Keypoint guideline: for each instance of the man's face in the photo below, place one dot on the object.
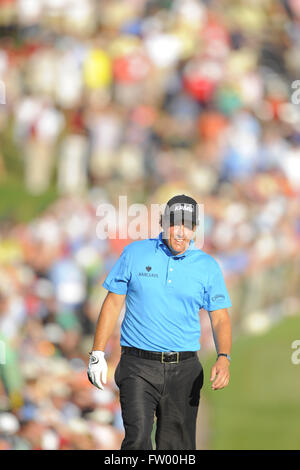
(179, 237)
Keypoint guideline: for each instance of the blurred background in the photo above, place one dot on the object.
(147, 99)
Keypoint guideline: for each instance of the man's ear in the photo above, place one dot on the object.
(194, 230)
(163, 224)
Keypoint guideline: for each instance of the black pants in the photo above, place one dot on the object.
(169, 390)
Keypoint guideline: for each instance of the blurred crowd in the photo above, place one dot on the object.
(147, 99)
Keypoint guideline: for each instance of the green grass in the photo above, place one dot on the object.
(18, 205)
(260, 408)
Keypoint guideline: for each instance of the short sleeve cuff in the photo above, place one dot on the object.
(213, 307)
(114, 289)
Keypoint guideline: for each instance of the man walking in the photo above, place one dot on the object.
(165, 281)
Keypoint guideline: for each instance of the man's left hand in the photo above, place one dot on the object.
(220, 373)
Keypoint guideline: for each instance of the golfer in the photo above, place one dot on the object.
(165, 282)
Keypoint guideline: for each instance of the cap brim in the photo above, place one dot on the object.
(180, 218)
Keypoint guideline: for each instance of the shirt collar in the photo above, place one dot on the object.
(160, 243)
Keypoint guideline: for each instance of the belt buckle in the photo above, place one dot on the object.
(170, 362)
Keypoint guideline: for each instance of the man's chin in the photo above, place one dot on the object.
(178, 247)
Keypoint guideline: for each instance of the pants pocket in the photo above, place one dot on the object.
(116, 375)
(201, 374)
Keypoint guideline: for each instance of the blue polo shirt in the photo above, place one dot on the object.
(164, 293)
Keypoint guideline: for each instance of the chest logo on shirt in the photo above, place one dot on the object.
(148, 274)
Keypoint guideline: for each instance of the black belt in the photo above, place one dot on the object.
(171, 357)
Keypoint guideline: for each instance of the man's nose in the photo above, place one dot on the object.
(180, 230)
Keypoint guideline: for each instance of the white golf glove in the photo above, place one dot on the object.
(97, 369)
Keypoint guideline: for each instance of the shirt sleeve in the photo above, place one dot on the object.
(119, 276)
(216, 295)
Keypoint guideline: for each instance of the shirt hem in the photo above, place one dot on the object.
(160, 350)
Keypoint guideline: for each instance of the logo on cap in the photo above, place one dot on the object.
(184, 207)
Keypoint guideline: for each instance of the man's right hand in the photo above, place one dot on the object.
(97, 369)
